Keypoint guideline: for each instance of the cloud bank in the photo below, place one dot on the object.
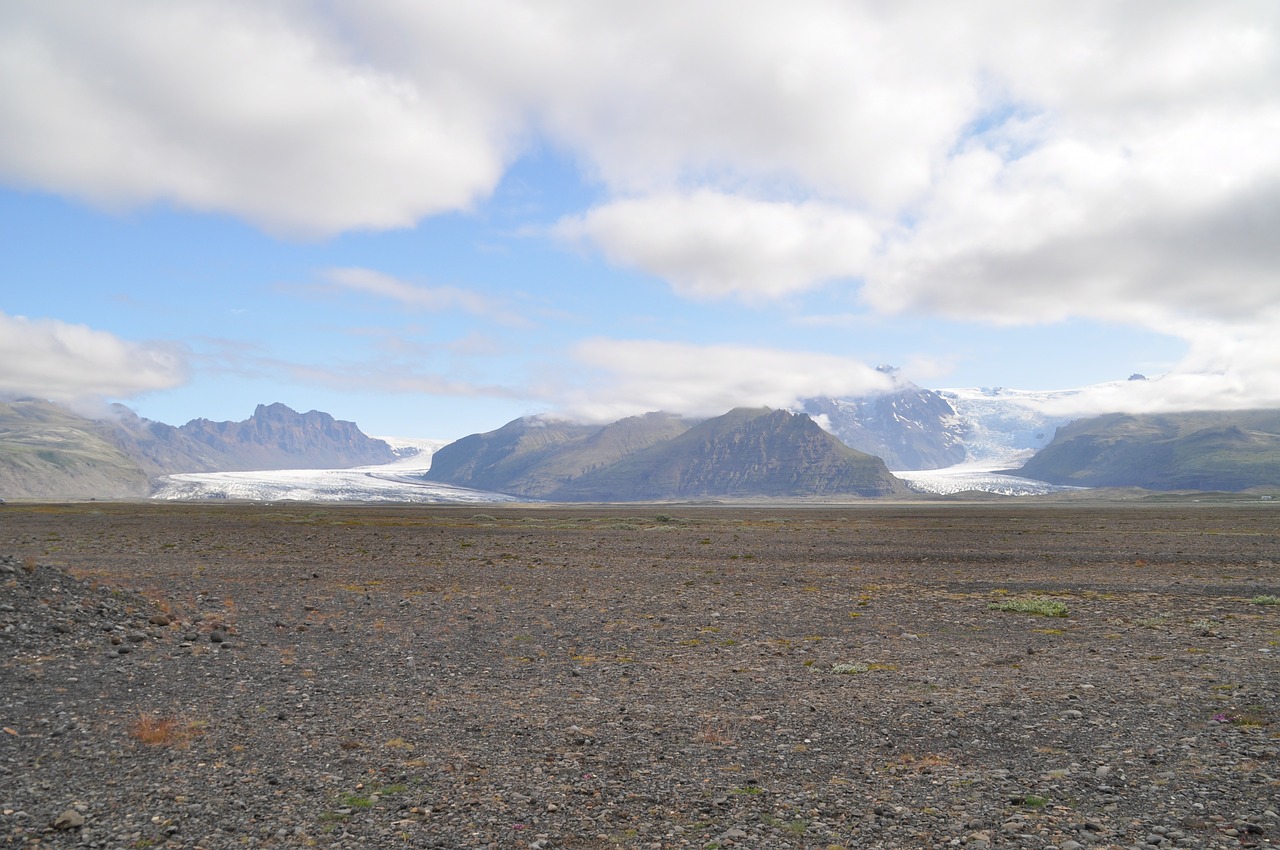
(986, 162)
(78, 365)
(637, 376)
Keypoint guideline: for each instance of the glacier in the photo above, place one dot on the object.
(1005, 427)
(398, 481)
(979, 476)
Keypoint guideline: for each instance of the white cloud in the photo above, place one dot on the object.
(636, 376)
(1228, 366)
(985, 161)
(709, 244)
(431, 298)
(48, 359)
(251, 108)
(1091, 230)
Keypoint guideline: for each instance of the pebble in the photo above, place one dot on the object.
(69, 819)
(495, 745)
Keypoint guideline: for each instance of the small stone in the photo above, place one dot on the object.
(217, 637)
(1071, 714)
(159, 620)
(70, 819)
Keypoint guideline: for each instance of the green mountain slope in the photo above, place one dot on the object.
(535, 457)
(1205, 450)
(660, 456)
(47, 452)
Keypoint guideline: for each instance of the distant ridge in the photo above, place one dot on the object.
(1206, 450)
(744, 453)
(48, 452)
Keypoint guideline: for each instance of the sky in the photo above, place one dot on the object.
(434, 217)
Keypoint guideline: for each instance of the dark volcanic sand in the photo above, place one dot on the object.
(638, 677)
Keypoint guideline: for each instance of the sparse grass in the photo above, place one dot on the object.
(1265, 599)
(158, 731)
(1039, 606)
(854, 668)
(1204, 628)
(850, 668)
(714, 733)
(356, 801)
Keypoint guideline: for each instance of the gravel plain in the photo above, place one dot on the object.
(668, 676)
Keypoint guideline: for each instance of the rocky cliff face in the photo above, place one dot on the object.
(277, 437)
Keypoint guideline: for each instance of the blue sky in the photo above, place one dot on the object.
(434, 219)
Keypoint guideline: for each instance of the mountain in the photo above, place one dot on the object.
(49, 452)
(535, 456)
(1204, 450)
(760, 452)
(912, 428)
(277, 437)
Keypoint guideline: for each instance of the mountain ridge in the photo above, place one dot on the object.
(745, 452)
(1195, 450)
(49, 452)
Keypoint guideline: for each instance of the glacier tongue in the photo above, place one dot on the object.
(976, 476)
(399, 481)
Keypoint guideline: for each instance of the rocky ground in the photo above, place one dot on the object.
(547, 677)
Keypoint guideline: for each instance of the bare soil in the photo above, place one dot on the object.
(645, 676)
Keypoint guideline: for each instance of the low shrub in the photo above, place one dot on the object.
(1039, 606)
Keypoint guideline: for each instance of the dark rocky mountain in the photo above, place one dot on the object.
(277, 437)
(48, 452)
(536, 456)
(1229, 451)
(912, 428)
(761, 452)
